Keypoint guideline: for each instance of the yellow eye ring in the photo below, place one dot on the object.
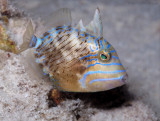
(104, 55)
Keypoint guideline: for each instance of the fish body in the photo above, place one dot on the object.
(77, 61)
(77, 58)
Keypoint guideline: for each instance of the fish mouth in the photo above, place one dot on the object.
(124, 78)
(107, 83)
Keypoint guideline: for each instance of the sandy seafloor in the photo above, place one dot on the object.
(132, 27)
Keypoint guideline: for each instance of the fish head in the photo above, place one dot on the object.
(104, 70)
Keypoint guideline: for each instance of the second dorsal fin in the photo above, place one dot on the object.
(80, 26)
(95, 26)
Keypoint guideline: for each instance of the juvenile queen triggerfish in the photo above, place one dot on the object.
(77, 59)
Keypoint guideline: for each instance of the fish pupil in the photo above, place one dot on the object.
(104, 57)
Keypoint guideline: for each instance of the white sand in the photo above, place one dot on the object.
(23, 97)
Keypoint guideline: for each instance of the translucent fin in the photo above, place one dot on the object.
(80, 26)
(58, 18)
(27, 37)
(95, 26)
(33, 69)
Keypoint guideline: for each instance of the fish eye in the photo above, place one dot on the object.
(104, 55)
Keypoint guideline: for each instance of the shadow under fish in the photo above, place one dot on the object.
(110, 99)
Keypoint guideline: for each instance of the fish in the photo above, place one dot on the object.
(76, 58)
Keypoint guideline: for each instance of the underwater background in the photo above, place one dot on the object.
(132, 27)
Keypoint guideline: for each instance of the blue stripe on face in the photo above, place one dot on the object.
(98, 72)
(88, 56)
(92, 59)
(105, 41)
(115, 57)
(102, 80)
(108, 46)
(112, 51)
(104, 64)
(96, 43)
(91, 49)
(101, 44)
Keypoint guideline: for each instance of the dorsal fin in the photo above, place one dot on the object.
(95, 26)
(58, 18)
(80, 26)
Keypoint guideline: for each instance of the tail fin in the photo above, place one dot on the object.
(27, 37)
